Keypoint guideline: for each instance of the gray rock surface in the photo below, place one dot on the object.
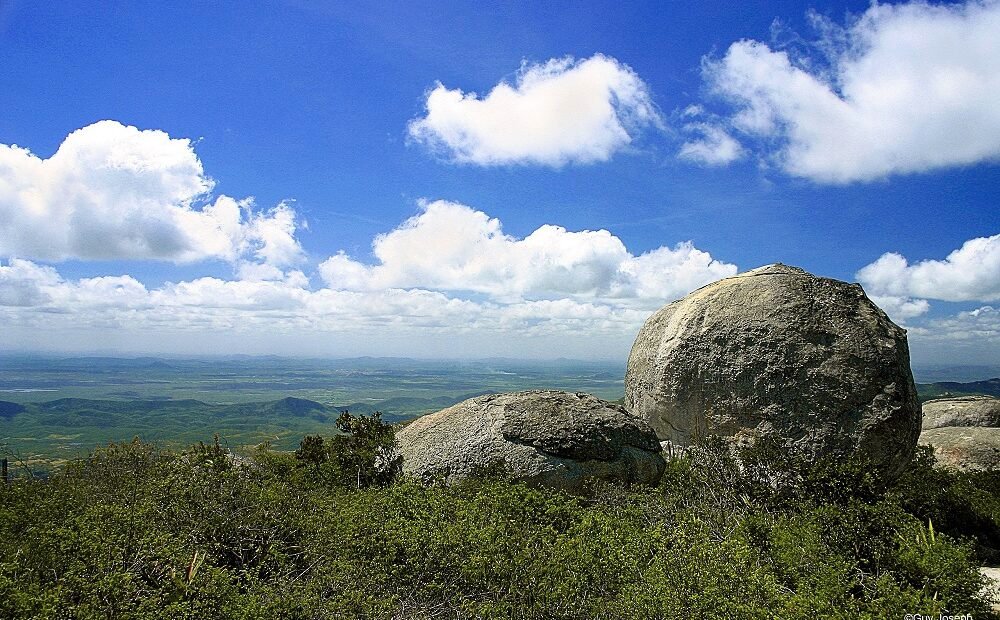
(778, 352)
(545, 437)
(964, 448)
(964, 432)
(983, 411)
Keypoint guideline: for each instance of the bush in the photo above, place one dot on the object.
(362, 455)
(139, 532)
(965, 505)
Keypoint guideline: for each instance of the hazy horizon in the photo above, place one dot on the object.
(961, 371)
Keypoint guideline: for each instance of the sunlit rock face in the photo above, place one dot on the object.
(550, 438)
(964, 432)
(778, 353)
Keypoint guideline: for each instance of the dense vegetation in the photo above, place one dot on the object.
(333, 531)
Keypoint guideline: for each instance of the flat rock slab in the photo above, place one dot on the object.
(778, 353)
(550, 438)
(983, 411)
(964, 448)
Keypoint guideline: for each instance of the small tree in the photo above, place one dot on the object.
(311, 450)
(363, 455)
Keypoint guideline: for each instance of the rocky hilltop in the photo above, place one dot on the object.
(775, 353)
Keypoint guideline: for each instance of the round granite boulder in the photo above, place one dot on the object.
(964, 432)
(550, 438)
(777, 352)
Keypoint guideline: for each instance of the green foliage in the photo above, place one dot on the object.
(963, 505)
(362, 455)
(136, 531)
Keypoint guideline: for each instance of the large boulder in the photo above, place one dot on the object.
(964, 432)
(777, 352)
(545, 437)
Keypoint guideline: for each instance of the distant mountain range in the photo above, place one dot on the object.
(51, 431)
(928, 391)
(71, 412)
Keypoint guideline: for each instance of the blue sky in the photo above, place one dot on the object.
(467, 179)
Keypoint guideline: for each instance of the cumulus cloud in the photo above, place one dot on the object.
(38, 292)
(38, 297)
(970, 273)
(902, 88)
(117, 192)
(960, 338)
(900, 309)
(713, 147)
(981, 324)
(558, 112)
(24, 284)
(966, 337)
(452, 247)
(113, 191)
(448, 272)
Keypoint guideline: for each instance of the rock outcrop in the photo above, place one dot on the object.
(964, 432)
(545, 437)
(982, 411)
(778, 352)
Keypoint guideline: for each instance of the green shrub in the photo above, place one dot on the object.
(139, 532)
(963, 505)
(362, 455)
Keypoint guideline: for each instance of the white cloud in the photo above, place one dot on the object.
(909, 88)
(715, 147)
(116, 192)
(979, 323)
(448, 278)
(970, 273)
(452, 247)
(665, 274)
(38, 306)
(36, 299)
(900, 309)
(964, 337)
(270, 237)
(24, 284)
(562, 111)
